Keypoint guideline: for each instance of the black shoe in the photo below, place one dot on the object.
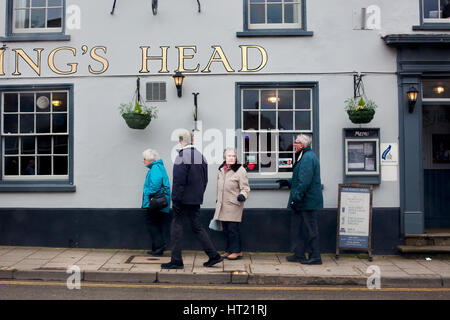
(157, 252)
(172, 265)
(313, 261)
(213, 261)
(295, 258)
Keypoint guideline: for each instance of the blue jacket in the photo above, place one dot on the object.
(306, 187)
(190, 177)
(156, 182)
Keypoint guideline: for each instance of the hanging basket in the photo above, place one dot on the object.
(136, 120)
(361, 116)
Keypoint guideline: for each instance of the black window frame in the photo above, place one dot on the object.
(10, 36)
(35, 185)
(292, 32)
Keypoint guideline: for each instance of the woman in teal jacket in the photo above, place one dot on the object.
(156, 182)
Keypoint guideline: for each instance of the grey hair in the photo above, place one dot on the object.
(305, 139)
(185, 135)
(228, 149)
(150, 155)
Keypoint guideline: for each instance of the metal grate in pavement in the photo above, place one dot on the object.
(147, 260)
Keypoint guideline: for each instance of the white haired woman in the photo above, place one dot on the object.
(232, 191)
(156, 182)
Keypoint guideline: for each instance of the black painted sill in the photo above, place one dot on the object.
(35, 37)
(264, 184)
(275, 33)
(38, 187)
(432, 26)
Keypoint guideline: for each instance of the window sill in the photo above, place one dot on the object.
(264, 184)
(275, 33)
(35, 37)
(432, 26)
(36, 187)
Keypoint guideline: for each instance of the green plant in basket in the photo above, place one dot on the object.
(137, 116)
(360, 110)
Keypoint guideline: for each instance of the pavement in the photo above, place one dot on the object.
(255, 268)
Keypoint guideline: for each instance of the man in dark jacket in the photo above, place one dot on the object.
(190, 177)
(305, 198)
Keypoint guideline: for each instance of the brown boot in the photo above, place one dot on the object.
(235, 256)
(225, 254)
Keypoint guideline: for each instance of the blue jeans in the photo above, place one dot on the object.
(232, 233)
(305, 233)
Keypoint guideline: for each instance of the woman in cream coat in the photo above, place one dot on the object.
(232, 191)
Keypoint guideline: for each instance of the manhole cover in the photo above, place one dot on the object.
(147, 260)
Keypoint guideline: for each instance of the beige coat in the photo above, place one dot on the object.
(229, 185)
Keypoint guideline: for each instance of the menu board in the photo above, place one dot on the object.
(354, 218)
(361, 156)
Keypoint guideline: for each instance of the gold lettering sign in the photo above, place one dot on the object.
(222, 58)
(51, 61)
(2, 53)
(145, 59)
(244, 55)
(35, 66)
(182, 56)
(100, 59)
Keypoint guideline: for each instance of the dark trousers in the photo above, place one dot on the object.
(305, 234)
(232, 233)
(155, 222)
(192, 212)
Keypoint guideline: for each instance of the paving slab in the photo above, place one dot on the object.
(112, 276)
(145, 268)
(210, 278)
(330, 271)
(46, 254)
(276, 269)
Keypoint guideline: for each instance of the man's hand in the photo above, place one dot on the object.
(283, 183)
(241, 198)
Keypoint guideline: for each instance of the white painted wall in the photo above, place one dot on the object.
(107, 154)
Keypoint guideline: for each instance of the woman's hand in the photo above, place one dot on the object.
(241, 198)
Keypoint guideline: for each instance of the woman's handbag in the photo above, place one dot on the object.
(215, 225)
(158, 202)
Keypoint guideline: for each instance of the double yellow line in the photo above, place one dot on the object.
(219, 287)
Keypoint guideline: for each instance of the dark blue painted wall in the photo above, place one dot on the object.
(262, 229)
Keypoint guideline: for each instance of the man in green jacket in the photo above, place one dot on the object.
(305, 198)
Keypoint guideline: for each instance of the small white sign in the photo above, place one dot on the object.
(389, 154)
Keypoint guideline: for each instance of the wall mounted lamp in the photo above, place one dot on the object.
(178, 78)
(412, 98)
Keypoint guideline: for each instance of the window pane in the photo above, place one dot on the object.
(285, 99)
(12, 145)
(22, 3)
(303, 120)
(302, 99)
(10, 123)
(251, 162)
(251, 99)
(28, 166)
(44, 145)
(445, 9)
(61, 145)
(268, 162)
(11, 102)
(38, 3)
(43, 123)
(291, 12)
(286, 142)
(268, 99)
(430, 10)
(268, 141)
(60, 165)
(60, 123)
(43, 102)
(59, 102)
(285, 162)
(38, 18)
(251, 142)
(274, 13)
(257, 13)
(22, 19)
(285, 120)
(251, 120)
(11, 166)
(27, 102)
(54, 3)
(54, 18)
(268, 120)
(436, 88)
(28, 145)
(27, 123)
(44, 166)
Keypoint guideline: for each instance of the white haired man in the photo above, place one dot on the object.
(304, 200)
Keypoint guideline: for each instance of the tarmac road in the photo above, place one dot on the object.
(39, 290)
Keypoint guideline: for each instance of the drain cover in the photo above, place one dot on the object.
(147, 260)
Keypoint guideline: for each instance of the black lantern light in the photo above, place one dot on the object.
(178, 78)
(412, 98)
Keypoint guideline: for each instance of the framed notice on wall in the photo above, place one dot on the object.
(354, 218)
